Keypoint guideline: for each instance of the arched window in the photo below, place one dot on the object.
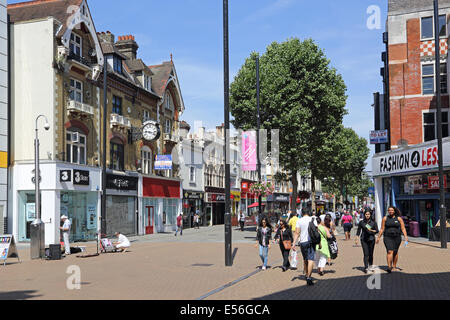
(146, 160)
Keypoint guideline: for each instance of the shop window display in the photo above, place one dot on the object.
(81, 208)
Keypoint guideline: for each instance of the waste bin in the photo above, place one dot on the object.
(414, 230)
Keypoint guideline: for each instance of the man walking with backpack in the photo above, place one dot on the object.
(307, 233)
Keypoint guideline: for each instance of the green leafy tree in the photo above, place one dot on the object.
(300, 94)
(347, 161)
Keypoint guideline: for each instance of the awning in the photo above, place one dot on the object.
(256, 204)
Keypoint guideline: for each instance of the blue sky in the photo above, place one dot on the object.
(192, 31)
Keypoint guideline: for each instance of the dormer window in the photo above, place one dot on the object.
(147, 82)
(117, 64)
(75, 44)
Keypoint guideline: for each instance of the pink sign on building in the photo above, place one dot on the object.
(249, 151)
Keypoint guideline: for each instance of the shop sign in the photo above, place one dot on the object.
(245, 186)
(281, 198)
(378, 136)
(8, 248)
(193, 196)
(216, 197)
(65, 175)
(410, 160)
(163, 162)
(121, 182)
(433, 182)
(81, 177)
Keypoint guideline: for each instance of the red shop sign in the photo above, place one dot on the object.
(433, 182)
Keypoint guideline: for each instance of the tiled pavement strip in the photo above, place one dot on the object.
(190, 267)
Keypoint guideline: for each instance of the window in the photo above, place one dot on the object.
(167, 127)
(192, 174)
(117, 64)
(76, 90)
(168, 101)
(117, 156)
(428, 27)
(117, 105)
(429, 125)
(75, 147)
(75, 44)
(146, 160)
(147, 82)
(428, 78)
(146, 115)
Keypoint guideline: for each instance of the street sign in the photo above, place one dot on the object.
(378, 136)
(163, 162)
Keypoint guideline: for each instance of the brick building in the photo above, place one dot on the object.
(406, 175)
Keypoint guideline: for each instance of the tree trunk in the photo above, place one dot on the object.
(294, 191)
(313, 192)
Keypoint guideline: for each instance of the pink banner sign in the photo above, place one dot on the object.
(249, 151)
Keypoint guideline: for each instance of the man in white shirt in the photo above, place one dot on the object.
(66, 231)
(123, 243)
(308, 250)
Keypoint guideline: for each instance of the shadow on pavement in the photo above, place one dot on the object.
(396, 285)
(18, 295)
(234, 254)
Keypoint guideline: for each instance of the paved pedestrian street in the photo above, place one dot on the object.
(192, 266)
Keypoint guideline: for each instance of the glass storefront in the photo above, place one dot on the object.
(27, 213)
(81, 208)
(121, 215)
(422, 184)
(170, 211)
(387, 194)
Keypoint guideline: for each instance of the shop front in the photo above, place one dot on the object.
(278, 202)
(215, 205)
(193, 201)
(161, 203)
(408, 179)
(65, 190)
(247, 198)
(121, 204)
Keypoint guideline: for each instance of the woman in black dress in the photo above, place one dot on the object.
(392, 226)
(284, 233)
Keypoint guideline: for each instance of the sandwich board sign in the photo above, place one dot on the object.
(8, 248)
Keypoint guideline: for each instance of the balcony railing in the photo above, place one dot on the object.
(82, 60)
(119, 121)
(76, 107)
(168, 137)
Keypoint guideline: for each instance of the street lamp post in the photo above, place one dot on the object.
(226, 88)
(257, 137)
(442, 208)
(37, 231)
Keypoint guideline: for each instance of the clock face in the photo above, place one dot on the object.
(150, 132)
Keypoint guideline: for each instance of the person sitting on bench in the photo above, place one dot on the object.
(123, 242)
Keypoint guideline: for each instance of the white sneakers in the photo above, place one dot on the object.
(263, 268)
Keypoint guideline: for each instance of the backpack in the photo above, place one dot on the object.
(314, 234)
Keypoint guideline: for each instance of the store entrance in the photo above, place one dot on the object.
(426, 216)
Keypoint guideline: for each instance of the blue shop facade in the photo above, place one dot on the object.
(408, 179)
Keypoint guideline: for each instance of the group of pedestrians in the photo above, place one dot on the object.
(315, 236)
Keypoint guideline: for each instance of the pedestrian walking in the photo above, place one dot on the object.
(292, 223)
(241, 220)
(322, 250)
(66, 232)
(367, 228)
(196, 217)
(285, 239)
(347, 223)
(264, 235)
(179, 224)
(307, 247)
(392, 226)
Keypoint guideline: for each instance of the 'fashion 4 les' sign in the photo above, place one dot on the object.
(410, 160)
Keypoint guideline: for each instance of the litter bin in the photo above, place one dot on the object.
(414, 230)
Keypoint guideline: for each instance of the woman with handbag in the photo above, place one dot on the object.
(322, 250)
(285, 234)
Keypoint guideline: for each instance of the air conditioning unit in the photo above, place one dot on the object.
(75, 137)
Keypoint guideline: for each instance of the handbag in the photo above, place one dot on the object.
(332, 245)
(286, 243)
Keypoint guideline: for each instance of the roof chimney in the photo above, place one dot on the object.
(127, 46)
(106, 37)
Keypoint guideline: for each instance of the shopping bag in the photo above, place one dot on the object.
(294, 259)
